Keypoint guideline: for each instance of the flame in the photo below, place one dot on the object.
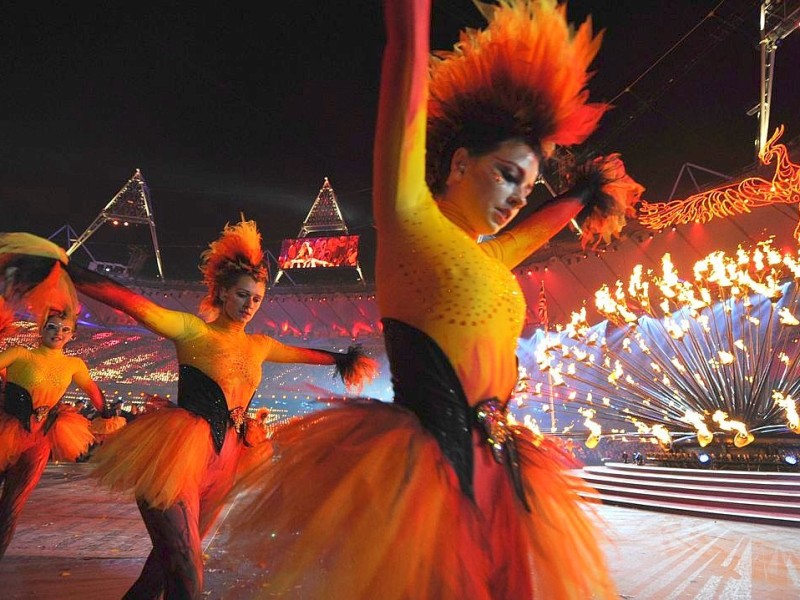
(594, 428)
(725, 358)
(662, 435)
(787, 318)
(788, 404)
(531, 424)
(674, 344)
(742, 437)
(704, 435)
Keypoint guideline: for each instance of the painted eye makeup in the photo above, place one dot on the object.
(502, 176)
(53, 328)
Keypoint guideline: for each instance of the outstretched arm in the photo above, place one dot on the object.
(40, 256)
(284, 353)
(167, 323)
(84, 380)
(354, 367)
(399, 152)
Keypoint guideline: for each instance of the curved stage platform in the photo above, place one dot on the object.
(754, 496)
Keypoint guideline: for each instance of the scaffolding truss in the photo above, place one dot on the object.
(324, 217)
(777, 19)
(130, 206)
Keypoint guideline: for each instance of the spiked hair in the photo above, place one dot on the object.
(522, 77)
(235, 253)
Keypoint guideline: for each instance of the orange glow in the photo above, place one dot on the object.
(733, 199)
(788, 404)
(593, 426)
(742, 437)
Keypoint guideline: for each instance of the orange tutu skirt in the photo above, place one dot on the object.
(101, 428)
(69, 437)
(166, 455)
(104, 427)
(359, 502)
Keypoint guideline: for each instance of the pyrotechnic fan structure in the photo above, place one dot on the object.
(715, 354)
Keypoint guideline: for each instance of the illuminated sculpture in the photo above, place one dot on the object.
(680, 358)
(736, 198)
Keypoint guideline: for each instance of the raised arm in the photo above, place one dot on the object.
(84, 380)
(603, 196)
(399, 151)
(514, 246)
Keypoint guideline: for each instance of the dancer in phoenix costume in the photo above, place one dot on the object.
(181, 462)
(439, 495)
(34, 425)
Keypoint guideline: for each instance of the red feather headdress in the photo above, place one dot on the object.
(525, 73)
(236, 252)
(32, 270)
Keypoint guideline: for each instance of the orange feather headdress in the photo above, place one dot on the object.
(7, 327)
(32, 270)
(236, 252)
(523, 76)
(55, 296)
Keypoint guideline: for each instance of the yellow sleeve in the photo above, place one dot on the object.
(513, 246)
(275, 351)
(399, 151)
(84, 380)
(10, 356)
(170, 324)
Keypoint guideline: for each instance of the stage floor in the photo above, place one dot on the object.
(76, 542)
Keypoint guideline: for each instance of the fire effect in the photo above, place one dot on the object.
(679, 357)
(733, 199)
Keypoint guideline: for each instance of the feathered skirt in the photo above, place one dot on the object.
(360, 502)
(68, 436)
(167, 455)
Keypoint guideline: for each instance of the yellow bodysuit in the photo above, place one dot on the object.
(170, 454)
(432, 276)
(45, 374)
(366, 501)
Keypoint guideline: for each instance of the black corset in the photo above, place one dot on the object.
(425, 382)
(18, 403)
(201, 395)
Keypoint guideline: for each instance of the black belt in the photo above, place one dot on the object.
(18, 403)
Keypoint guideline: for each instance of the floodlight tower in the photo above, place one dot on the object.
(131, 206)
(777, 19)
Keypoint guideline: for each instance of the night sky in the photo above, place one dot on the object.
(226, 109)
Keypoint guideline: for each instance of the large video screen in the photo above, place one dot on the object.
(316, 252)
